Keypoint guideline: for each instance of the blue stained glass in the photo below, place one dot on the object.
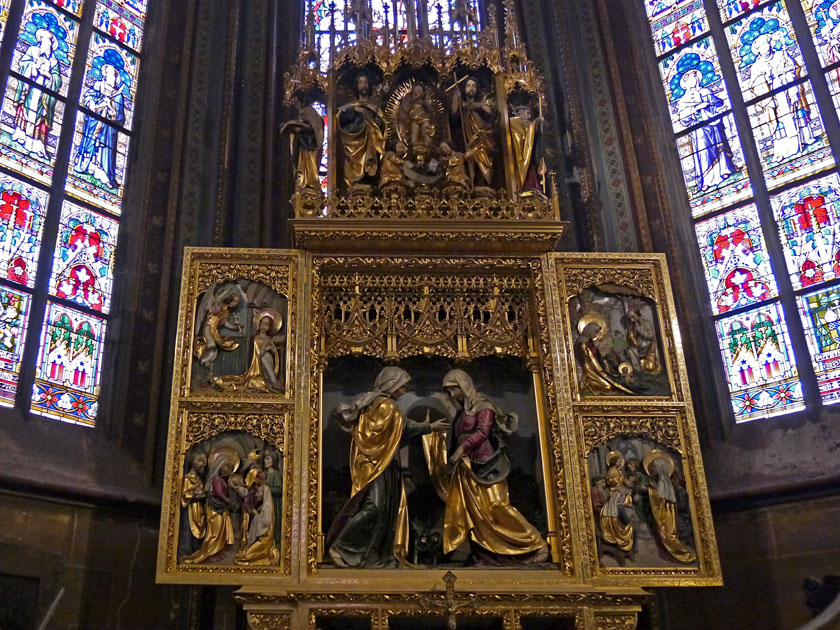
(110, 81)
(820, 312)
(765, 51)
(45, 47)
(121, 20)
(675, 23)
(22, 211)
(713, 166)
(735, 260)
(824, 21)
(760, 364)
(693, 84)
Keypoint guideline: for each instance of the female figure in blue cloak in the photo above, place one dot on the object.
(712, 156)
(96, 154)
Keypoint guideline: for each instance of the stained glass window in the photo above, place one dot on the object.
(824, 21)
(808, 217)
(68, 105)
(757, 246)
(13, 321)
(820, 312)
(67, 379)
(760, 365)
(735, 259)
(675, 23)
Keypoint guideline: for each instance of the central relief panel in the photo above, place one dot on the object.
(430, 427)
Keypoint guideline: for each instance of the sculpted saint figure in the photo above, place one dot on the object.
(361, 129)
(473, 118)
(524, 136)
(391, 175)
(641, 343)
(306, 136)
(371, 530)
(415, 119)
(663, 504)
(472, 481)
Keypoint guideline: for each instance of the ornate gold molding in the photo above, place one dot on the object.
(615, 621)
(270, 621)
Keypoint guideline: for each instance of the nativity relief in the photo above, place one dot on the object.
(617, 346)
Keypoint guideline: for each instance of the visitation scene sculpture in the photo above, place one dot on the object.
(444, 465)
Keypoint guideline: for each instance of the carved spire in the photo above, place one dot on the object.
(514, 44)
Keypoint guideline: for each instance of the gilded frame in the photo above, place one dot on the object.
(667, 420)
(441, 272)
(198, 416)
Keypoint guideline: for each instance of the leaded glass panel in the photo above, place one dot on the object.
(121, 21)
(83, 264)
(824, 21)
(820, 313)
(14, 306)
(789, 134)
(30, 124)
(713, 166)
(765, 51)
(97, 163)
(73, 6)
(4, 16)
(730, 9)
(22, 211)
(68, 369)
(676, 22)
(735, 259)
(110, 81)
(760, 365)
(45, 47)
(693, 85)
(808, 217)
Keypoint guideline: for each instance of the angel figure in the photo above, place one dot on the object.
(456, 170)
(415, 119)
(306, 137)
(264, 372)
(391, 174)
(216, 314)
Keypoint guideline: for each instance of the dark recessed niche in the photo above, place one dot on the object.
(397, 622)
(547, 623)
(342, 622)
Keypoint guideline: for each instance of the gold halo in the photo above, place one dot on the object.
(227, 452)
(593, 318)
(657, 454)
(625, 368)
(613, 457)
(274, 316)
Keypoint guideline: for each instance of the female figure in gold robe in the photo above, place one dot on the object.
(219, 532)
(478, 506)
(595, 378)
(663, 500)
(371, 530)
(616, 525)
(264, 372)
(258, 546)
(306, 137)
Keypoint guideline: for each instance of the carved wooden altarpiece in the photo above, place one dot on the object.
(431, 272)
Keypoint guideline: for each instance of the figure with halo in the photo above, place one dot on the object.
(596, 376)
(264, 373)
(663, 503)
